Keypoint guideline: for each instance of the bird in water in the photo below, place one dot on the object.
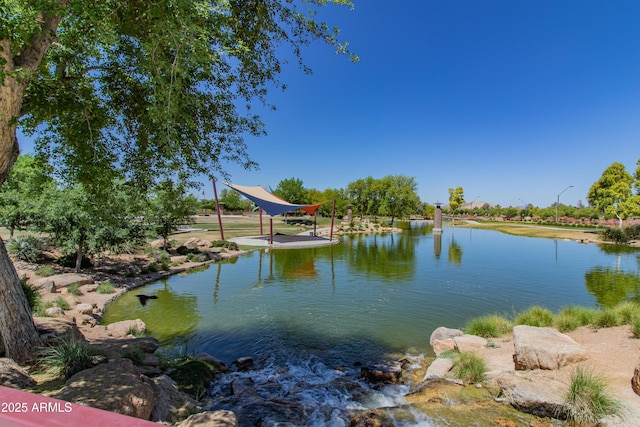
(143, 298)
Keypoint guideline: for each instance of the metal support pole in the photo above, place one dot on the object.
(215, 194)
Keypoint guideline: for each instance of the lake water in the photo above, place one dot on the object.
(373, 297)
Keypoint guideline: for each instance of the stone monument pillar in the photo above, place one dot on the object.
(349, 213)
(437, 220)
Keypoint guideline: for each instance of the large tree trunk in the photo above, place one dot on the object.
(19, 334)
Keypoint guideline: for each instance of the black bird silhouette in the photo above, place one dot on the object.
(143, 298)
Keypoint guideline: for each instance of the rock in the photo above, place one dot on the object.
(443, 333)
(635, 380)
(46, 284)
(86, 319)
(219, 364)
(220, 418)
(192, 242)
(544, 348)
(55, 329)
(179, 259)
(65, 279)
(439, 368)
(244, 388)
(115, 387)
(84, 308)
(539, 393)
(126, 327)
(243, 363)
(159, 244)
(54, 312)
(382, 372)
(12, 375)
(440, 346)
(171, 404)
(469, 343)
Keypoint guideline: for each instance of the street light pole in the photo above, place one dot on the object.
(558, 201)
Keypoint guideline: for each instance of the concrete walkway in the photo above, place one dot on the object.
(305, 239)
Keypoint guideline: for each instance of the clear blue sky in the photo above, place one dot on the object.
(511, 100)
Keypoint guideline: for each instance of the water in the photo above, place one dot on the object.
(316, 314)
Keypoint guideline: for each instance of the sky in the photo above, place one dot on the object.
(512, 100)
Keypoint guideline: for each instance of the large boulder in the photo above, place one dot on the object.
(469, 343)
(443, 333)
(540, 393)
(12, 375)
(126, 327)
(171, 404)
(544, 348)
(440, 346)
(635, 380)
(382, 372)
(115, 387)
(439, 368)
(52, 329)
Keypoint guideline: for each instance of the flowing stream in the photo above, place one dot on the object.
(310, 318)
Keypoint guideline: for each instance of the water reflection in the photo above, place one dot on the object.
(454, 255)
(611, 286)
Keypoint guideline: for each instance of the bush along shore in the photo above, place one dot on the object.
(511, 359)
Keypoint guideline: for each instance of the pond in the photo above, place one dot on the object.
(373, 297)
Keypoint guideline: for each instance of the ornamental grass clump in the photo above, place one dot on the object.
(67, 358)
(489, 326)
(106, 288)
(470, 368)
(583, 316)
(535, 316)
(607, 318)
(588, 399)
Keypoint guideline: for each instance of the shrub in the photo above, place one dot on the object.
(490, 326)
(588, 400)
(584, 316)
(41, 309)
(45, 271)
(67, 358)
(470, 368)
(225, 244)
(62, 303)
(166, 265)
(198, 257)
(615, 235)
(153, 267)
(566, 323)
(135, 354)
(535, 316)
(627, 312)
(25, 249)
(158, 255)
(607, 318)
(33, 297)
(106, 288)
(632, 232)
(74, 289)
(635, 327)
(183, 250)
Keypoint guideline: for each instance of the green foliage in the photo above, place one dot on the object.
(470, 368)
(68, 357)
(611, 192)
(607, 318)
(489, 326)
(588, 399)
(535, 316)
(168, 207)
(225, 244)
(74, 289)
(635, 327)
(183, 250)
(135, 354)
(26, 248)
(69, 260)
(62, 303)
(292, 190)
(33, 297)
(45, 271)
(198, 257)
(614, 234)
(106, 288)
(193, 376)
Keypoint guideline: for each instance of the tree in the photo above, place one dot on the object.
(400, 198)
(151, 88)
(80, 226)
(169, 207)
(292, 190)
(456, 199)
(19, 195)
(233, 201)
(611, 193)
